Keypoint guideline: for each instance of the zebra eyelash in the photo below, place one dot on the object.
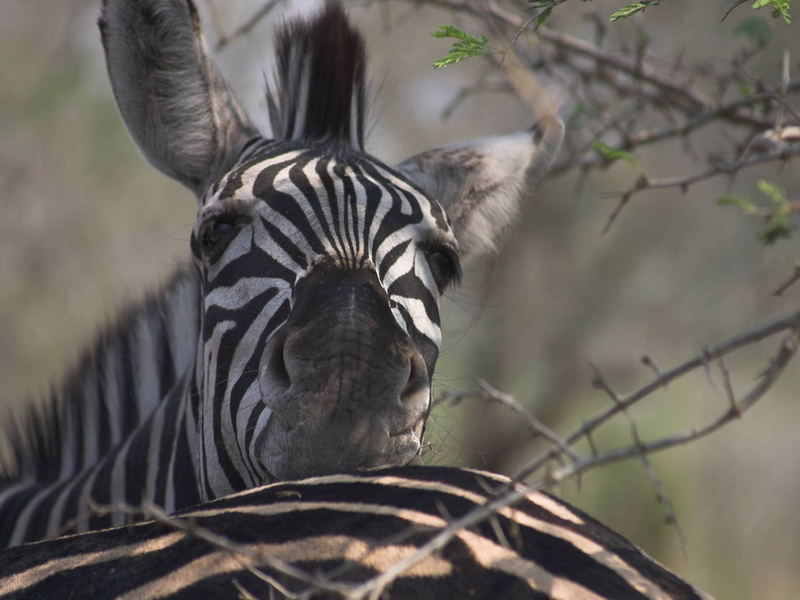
(444, 263)
(217, 230)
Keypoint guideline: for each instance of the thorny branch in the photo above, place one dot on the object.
(789, 282)
(618, 96)
(246, 27)
(790, 322)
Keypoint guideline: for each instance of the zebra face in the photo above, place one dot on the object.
(321, 268)
(321, 277)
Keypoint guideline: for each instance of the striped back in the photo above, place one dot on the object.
(350, 536)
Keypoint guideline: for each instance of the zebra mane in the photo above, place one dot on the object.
(319, 94)
(115, 387)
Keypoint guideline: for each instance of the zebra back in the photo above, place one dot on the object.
(337, 534)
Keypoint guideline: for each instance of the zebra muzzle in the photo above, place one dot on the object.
(347, 387)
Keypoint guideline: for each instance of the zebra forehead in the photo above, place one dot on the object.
(317, 174)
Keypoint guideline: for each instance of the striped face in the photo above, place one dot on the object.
(321, 268)
(321, 277)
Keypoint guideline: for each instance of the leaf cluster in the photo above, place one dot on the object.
(780, 8)
(465, 45)
(777, 213)
(633, 9)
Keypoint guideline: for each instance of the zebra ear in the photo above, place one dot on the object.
(480, 183)
(171, 96)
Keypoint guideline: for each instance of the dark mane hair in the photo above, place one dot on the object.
(319, 93)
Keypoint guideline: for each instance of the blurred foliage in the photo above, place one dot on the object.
(756, 29)
(612, 154)
(778, 214)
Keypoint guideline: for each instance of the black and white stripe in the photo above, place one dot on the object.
(105, 415)
(342, 530)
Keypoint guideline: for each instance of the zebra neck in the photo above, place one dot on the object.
(116, 387)
(118, 432)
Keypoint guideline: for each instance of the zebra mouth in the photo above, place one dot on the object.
(408, 431)
(307, 448)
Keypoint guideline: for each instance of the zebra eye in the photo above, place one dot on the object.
(444, 265)
(216, 231)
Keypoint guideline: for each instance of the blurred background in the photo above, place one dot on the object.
(87, 227)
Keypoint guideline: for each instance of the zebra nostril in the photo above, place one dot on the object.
(417, 378)
(274, 371)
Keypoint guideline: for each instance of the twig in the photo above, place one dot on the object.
(535, 426)
(600, 382)
(789, 282)
(786, 351)
(248, 25)
(790, 322)
(683, 182)
(649, 362)
(728, 387)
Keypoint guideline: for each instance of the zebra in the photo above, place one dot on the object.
(357, 535)
(302, 340)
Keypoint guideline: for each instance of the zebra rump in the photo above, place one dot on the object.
(336, 534)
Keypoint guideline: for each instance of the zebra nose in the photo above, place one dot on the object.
(283, 365)
(418, 381)
(274, 372)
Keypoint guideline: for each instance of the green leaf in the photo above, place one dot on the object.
(780, 8)
(628, 11)
(542, 18)
(778, 228)
(633, 9)
(465, 45)
(731, 200)
(611, 154)
(779, 218)
(773, 192)
(446, 31)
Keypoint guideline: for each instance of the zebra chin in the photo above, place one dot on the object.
(309, 451)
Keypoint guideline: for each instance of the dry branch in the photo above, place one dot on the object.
(246, 27)
(788, 347)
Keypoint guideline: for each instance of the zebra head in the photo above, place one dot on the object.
(321, 267)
